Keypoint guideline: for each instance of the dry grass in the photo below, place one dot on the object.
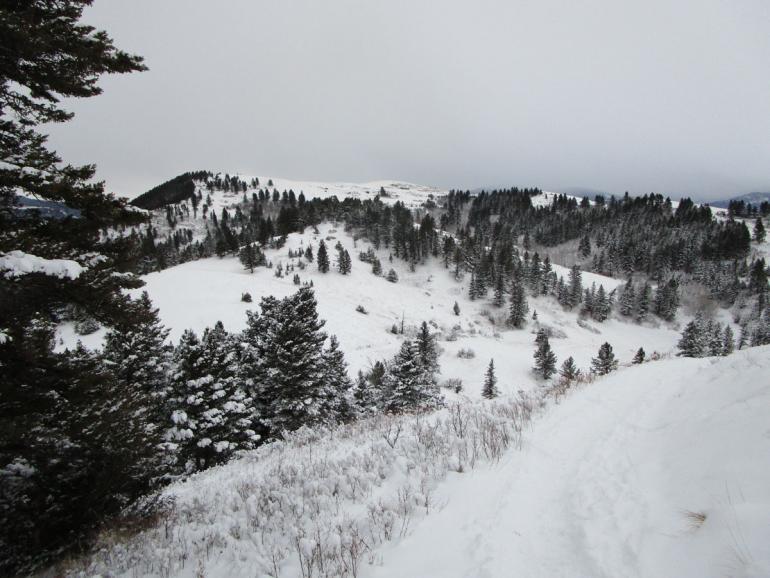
(694, 519)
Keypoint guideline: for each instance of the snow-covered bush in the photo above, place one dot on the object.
(319, 503)
(466, 353)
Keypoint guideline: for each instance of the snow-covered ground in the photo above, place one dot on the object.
(200, 293)
(656, 470)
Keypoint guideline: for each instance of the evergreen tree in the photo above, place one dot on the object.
(392, 276)
(283, 364)
(340, 402)
(575, 289)
(601, 305)
(584, 247)
(728, 343)
(759, 231)
(427, 349)
(627, 301)
(344, 263)
(47, 56)
(667, 300)
(743, 339)
(643, 302)
(309, 253)
(322, 258)
(545, 359)
(377, 267)
(490, 382)
(640, 355)
(499, 298)
(211, 415)
(139, 355)
(517, 313)
(693, 341)
(408, 386)
(605, 361)
(569, 370)
(715, 338)
(248, 257)
(366, 395)
(456, 309)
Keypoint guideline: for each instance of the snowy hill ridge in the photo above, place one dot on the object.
(635, 474)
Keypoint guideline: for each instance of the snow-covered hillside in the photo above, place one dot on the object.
(656, 470)
(200, 293)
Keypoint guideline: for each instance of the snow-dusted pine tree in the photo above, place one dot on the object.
(283, 363)
(693, 342)
(322, 258)
(627, 301)
(340, 402)
(212, 416)
(605, 361)
(490, 382)
(427, 349)
(407, 385)
(517, 313)
(569, 370)
(545, 359)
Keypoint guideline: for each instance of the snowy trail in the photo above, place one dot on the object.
(600, 488)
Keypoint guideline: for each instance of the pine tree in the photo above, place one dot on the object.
(48, 55)
(490, 382)
(344, 263)
(601, 305)
(283, 364)
(605, 361)
(584, 247)
(377, 267)
(309, 253)
(517, 313)
(408, 386)
(545, 359)
(322, 258)
(728, 343)
(366, 395)
(427, 349)
(138, 353)
(248, 257)
(569, 370)
(643, 302)
(627, 301)
(392, 276)
(693, 341)
(715, 338)
(340, 402)
(575, 290)
(211, 415)
(640, 355)
(456, 309)
(759, 231)
(499, 298)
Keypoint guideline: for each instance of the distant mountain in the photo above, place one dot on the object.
(46, 209)
(753, 198)
(173, 191)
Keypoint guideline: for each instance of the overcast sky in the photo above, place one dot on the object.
(671, 96)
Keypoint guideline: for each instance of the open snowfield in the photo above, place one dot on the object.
(198, 294)
(656, 470)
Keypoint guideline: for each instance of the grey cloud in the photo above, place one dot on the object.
(662, 96)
